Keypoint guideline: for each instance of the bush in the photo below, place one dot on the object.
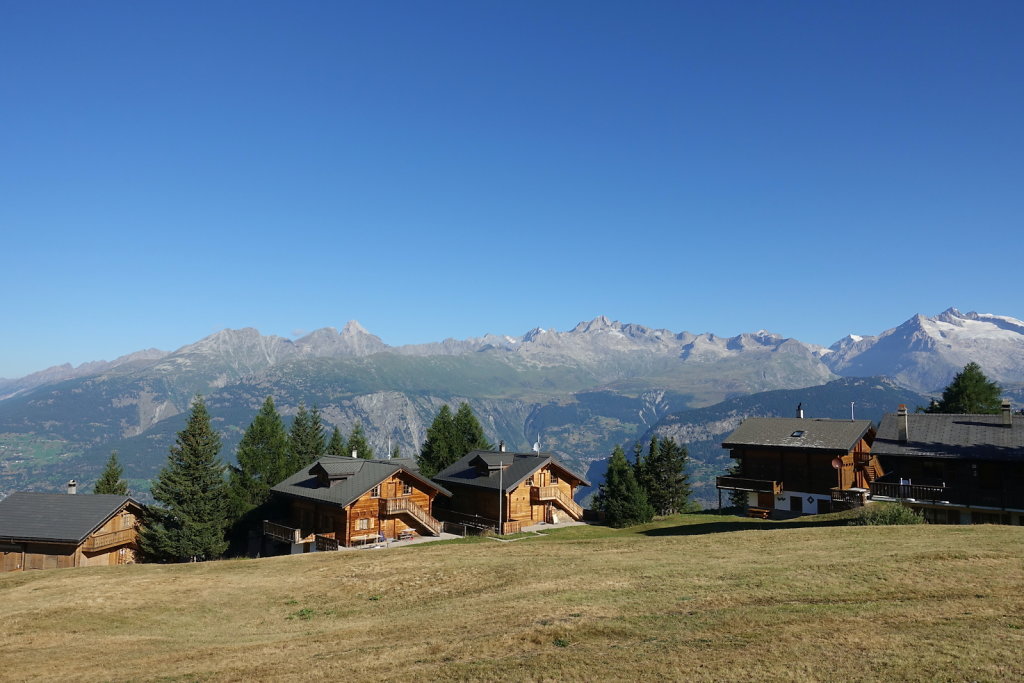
(887, 514)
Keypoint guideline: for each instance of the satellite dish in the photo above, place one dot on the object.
(837, 463)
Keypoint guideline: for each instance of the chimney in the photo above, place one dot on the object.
(355, 453)
(800, 410)
(72, 487)
(1007, 413)
(902, 426)
(501, 446)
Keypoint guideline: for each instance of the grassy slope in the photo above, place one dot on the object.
(692, 597)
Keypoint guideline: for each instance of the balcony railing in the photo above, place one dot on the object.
(394, 506)
(848, 498)
(754, 485)
(280, 532)
(899, 491)
(325, 543)
(560, 498)
(109, 540)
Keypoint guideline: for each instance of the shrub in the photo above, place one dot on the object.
(887, 514)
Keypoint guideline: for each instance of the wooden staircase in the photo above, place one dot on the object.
(399, 506)
(559, 497)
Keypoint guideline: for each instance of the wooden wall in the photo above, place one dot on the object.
(808, 471)
(517, 504)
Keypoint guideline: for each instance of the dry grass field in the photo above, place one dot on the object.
(693, 597)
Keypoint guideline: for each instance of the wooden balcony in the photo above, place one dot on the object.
(279, 532)
(913, 492)
(110, 539)
(325, 543)
(845, 499)
(754, 485)
(398, 506)
(543, 494)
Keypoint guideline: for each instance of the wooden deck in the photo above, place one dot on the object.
(753, 485)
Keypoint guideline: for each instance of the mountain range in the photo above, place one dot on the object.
(579, 391)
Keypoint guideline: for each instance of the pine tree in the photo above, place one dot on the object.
(190, 517)
(620, 497)
(737, 499)
(970, 393)
(110, 480)
(665, 480)
(357, 442)
(469, 434)
(263, 461)
(642, 465)
(439, 449)
(337, 445)
(306, 438)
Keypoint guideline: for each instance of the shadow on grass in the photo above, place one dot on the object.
(703, 528)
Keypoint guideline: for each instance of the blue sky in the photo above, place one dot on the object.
(454, 168)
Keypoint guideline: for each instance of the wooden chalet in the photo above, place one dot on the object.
(57, 530)
(804, 466)
(508, 491)
(341, 501)
(955, 469)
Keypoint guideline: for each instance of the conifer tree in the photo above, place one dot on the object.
(263, 461)
(110, 480)
(439, 449)
(306, 438)
(665, 480)
(357, 442)
(337, 445)
(469, 434)
(190, 517)
(970, 393)
(620, 497)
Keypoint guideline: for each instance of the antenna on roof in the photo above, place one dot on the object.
(851, 410)
(536, 445)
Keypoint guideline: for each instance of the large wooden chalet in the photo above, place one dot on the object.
(955, 469)
(341, 501)
(508, 491)
(57, 530)
(798, 465)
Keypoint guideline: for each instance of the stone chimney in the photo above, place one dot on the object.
(72, 487)
(800, 410)
(902, 426)
(1007, 413)
(501, 446)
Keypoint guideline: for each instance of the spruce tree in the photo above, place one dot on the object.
(970, 393)
(665, 480)
(263, 461)
(620, 497)
(306, 438)
(357, 442)
(190, 517)
(469, 434)
(110, 480)
(439, 449)
(337, 445)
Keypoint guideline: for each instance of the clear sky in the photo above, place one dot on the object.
(446, 169)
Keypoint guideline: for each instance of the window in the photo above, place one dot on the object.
(363, 523)
(406, 489)
(529, 482)
(375, 492)
(798, 433)
(554, 478)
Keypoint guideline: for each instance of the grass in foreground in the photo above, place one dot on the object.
(690, 597)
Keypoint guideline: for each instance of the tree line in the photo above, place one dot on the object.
(653, 484)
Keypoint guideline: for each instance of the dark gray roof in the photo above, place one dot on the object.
(56, 517)
(818, 434)
(360, 476)
(966, 437)
(519, 467)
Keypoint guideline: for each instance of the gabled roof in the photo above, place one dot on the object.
(57, 517)
(355, 477)
(833, 436)
(964, 437)
(466, 471)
